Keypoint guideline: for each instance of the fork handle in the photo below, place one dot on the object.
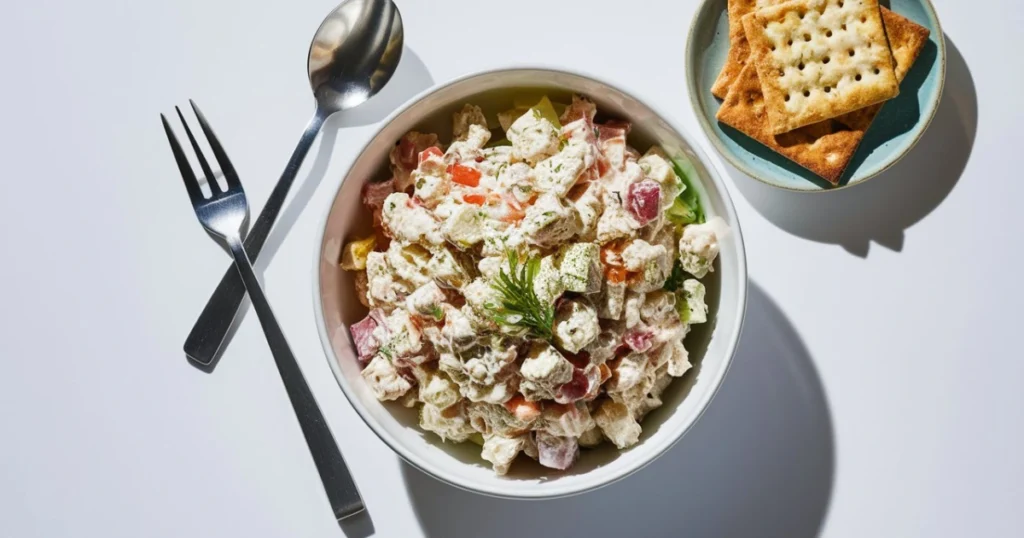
(341, 490)
(210, 330)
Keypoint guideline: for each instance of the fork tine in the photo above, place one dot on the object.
(218, 151)
(211, 180)
(191, 183)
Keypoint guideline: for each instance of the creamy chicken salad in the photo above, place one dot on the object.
(530, 287)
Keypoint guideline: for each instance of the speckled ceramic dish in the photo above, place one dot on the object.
(894, 132)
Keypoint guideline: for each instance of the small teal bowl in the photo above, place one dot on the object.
(892, 135)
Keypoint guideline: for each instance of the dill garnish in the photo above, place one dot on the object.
(518, 303)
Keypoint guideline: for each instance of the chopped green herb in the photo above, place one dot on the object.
(597, 132)
(518, 304)
(558, 168)
(436, 312)
(420, 182)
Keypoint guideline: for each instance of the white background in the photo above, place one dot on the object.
(876, 391)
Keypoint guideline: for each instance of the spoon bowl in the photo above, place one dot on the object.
(354, 53)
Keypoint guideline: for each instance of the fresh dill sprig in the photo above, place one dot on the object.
(518, 304)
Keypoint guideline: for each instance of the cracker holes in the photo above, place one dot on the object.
(828, 89)
(800, 66)
(787, 97)
(807, 93)
(843, 26)
(863, 19)
(841, 3)
(877, 70)
(852, 52)
(807, 37)
(828, 33)
(858, 77)
(790, 42)
(826, 60)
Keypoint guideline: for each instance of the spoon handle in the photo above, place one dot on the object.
(210, 330)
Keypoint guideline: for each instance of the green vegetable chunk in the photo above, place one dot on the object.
(686, 208)
(675, 280)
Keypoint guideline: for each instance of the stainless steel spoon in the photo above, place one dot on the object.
(353, 55)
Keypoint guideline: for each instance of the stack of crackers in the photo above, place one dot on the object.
(807, 77)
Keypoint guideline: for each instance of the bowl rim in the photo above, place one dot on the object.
(709, 132)
(551, 490)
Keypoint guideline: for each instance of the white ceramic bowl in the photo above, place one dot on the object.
(711, 347)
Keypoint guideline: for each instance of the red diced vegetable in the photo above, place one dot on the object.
(464, 175)
(432, 150)
(643, 200)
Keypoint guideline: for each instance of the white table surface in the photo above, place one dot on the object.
(876, 390)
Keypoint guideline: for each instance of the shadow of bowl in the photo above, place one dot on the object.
(760, 462)
(881, 209)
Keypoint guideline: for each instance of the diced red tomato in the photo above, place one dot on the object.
(616, 274)
(610, 252)
(475, 198)
(432, 150)
(464, 175)
(513, 214)
(522, 409)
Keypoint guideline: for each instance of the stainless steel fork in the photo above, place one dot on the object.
(224, 214)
